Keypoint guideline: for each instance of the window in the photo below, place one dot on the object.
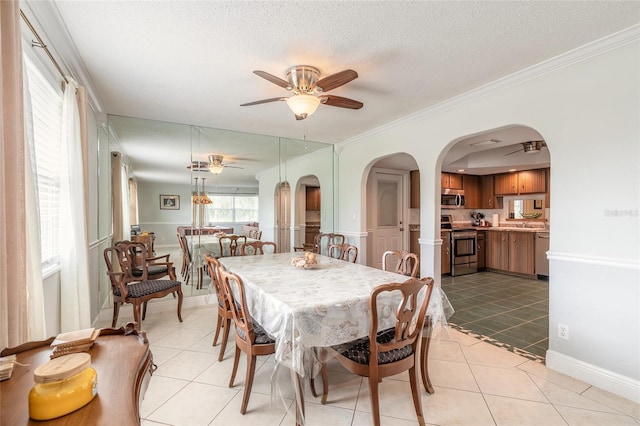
(46, 105)
(233, 208)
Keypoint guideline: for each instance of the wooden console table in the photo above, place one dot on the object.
(124, 364)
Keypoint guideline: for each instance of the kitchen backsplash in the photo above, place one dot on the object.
(312, 216)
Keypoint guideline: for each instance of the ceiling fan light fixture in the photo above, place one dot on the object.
(216, 169)
(303, 105)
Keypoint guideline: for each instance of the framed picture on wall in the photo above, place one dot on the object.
(169, 202)
(537, 204)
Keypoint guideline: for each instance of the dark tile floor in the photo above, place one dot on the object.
(511, 312)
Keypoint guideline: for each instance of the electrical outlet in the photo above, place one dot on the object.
(563, 331)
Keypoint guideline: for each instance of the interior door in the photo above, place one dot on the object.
(388, 229)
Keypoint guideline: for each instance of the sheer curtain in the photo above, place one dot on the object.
(74, 261)
(35, 291)
(120, 197)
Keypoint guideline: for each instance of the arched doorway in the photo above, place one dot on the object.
(504, 299)
(307, 212)
(389, 213)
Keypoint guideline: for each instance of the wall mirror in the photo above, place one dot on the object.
(527, 209)
(252, 172)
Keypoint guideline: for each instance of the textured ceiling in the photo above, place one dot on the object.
(192, 61)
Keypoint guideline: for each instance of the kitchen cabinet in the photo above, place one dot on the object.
(451, 181)
(497, 250)
(445, 257)
(510, 251)
(310, 233)
(521, 253)
(488, 200)
(313, 198)
(414, 243)
(532, 181)
(524, 182)
(506, 184)
(472, 193)
(414, 199)
(481, 249)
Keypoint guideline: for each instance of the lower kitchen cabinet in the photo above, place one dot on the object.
(521, 252)
(481, 252)
(445, 257)
(511, 251)
(497, 250)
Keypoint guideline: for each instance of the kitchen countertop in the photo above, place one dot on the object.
(513, 228)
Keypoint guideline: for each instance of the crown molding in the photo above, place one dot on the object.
(46, 19)
(579, 54)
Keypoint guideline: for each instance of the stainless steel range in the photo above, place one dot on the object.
(464, 244)
(464, 255)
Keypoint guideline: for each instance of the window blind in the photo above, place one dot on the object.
(46, 105)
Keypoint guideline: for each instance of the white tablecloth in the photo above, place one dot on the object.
(309, 308)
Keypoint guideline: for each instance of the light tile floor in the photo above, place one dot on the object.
(476, 383)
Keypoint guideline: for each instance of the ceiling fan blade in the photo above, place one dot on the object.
(197, 165)
(518, 150)
(264, 101)
(336, 80)
(272, 78)
(340, 102)
(232, 167)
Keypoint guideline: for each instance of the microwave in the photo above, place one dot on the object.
(452, 199)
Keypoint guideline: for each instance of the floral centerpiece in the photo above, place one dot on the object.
(306, 261)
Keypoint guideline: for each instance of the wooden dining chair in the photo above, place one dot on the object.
(224, 310)
(230, 244)
(345, 252)
(321, 242)
(140, 266)
(127, 289)
(250, 336)
(258, 247)
(186, 256)
(198, 271)
(394, 349)
(406, 263)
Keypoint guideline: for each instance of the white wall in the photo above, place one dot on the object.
(588, 113)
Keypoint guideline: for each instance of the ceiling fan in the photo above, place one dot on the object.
(214, 165)
(531, 147)
(308, 90)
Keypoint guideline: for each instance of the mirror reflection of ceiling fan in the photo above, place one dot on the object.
(308, 90)
(214, 165)
(531, 147)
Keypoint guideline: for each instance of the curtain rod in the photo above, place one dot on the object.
(43, 46)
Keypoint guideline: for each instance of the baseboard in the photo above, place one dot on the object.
(604, 379)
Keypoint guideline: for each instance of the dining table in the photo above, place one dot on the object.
(307, 310)
(202, 245)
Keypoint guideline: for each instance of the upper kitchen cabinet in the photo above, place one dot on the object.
(488, 195)
(472, 192)
(451, 181)
(532, 181)
(506, 184)
(525, 182)
(414, 201)
(313, 198)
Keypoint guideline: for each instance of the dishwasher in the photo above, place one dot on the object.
(542, 247)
